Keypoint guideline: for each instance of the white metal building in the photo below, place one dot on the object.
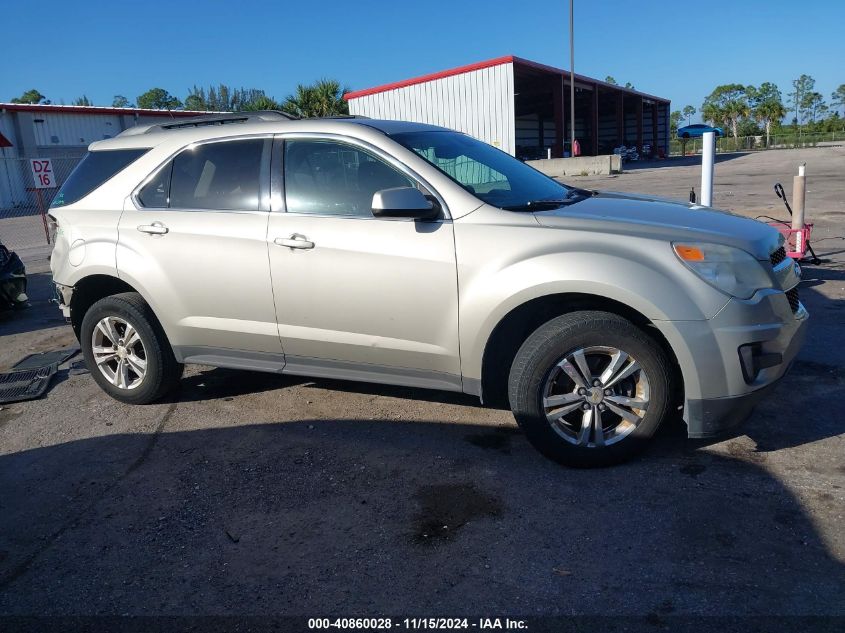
(523, 108)
(59, 132)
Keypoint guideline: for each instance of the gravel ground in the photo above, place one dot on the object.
(255, 494)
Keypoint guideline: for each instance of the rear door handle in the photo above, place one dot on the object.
(156, 228)
(294, 241)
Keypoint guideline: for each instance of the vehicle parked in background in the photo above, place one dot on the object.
(12, 280)
(698, 129)
(409, 254)
(627, 154)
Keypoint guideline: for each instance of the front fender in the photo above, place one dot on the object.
(639, 273)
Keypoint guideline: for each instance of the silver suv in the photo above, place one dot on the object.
(409, 254)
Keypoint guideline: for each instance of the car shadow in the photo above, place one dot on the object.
(365, 517)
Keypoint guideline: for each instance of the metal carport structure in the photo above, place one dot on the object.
(523, 107)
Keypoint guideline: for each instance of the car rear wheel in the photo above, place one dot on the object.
(589, 388)
(126, 350)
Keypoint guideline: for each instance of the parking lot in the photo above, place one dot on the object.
(258, 494)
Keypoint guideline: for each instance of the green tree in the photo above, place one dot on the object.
(82, 101)
(674, 119)
(31, 96)
(158, 99)
(801, 87)
(196, 99)
(688, 112)
(120, 101)
(629, 85)
(813, 105)
(261, 102)
(610, 80)
(323, 98)
(223, 98)
(726, 105)
(837, 98)
(766, 106)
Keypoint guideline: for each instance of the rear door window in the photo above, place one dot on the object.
(94, 170)
(218, 176)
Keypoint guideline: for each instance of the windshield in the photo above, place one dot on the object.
(490, 174)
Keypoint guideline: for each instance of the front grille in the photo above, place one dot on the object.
(778, 256)
(792, 296)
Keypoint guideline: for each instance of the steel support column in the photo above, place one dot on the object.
(654, 134)
(639, 124)
(620, 118)
(595, 130)
(557, 99)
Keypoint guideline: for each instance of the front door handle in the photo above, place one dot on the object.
(156, 228)
(294, 241)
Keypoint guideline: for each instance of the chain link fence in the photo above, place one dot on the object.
(23, 207)
(791, 140)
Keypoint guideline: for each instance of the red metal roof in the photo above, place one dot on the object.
(507, 59)
(70, 109)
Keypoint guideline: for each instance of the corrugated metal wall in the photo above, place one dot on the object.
(73, 129)
(479, 103)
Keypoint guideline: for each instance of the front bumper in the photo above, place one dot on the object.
(717, 415)
(718, 394)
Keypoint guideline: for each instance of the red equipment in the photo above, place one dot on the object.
(797, 240)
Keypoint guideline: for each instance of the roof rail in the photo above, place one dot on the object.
(210, 119)
(343, 116)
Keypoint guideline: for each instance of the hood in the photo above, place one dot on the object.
(661, 218)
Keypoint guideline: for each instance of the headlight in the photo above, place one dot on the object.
(731, 270)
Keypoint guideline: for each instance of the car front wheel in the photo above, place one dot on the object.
(589, 388)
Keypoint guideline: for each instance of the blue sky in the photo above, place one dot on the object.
(65, 49)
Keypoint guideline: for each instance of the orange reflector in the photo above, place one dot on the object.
(689, 253)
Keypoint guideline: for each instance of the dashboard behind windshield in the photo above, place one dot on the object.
(488, 173)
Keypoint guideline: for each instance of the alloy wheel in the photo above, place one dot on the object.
(595, 396)
(119, 352)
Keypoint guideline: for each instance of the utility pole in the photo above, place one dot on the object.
(571, 78)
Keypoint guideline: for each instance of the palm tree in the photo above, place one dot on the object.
(766, 105)
(321, 99)
(727, 104)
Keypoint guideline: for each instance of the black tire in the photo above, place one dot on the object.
(162, 369)
(549, 345)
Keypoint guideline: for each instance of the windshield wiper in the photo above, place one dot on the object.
(537, 205)
(574, 195)
(577, 191)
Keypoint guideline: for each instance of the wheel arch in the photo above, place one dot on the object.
(90, 289)
(514, 328)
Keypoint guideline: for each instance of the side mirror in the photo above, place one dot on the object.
(403, 202)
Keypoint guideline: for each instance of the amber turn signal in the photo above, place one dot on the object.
(689, 253)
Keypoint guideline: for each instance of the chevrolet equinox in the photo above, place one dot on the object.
(409, 254)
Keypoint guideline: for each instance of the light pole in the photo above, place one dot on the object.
(571, 78)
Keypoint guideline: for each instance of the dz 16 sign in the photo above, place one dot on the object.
(42, 173)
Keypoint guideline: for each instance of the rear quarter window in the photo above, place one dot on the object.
(95, 169)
